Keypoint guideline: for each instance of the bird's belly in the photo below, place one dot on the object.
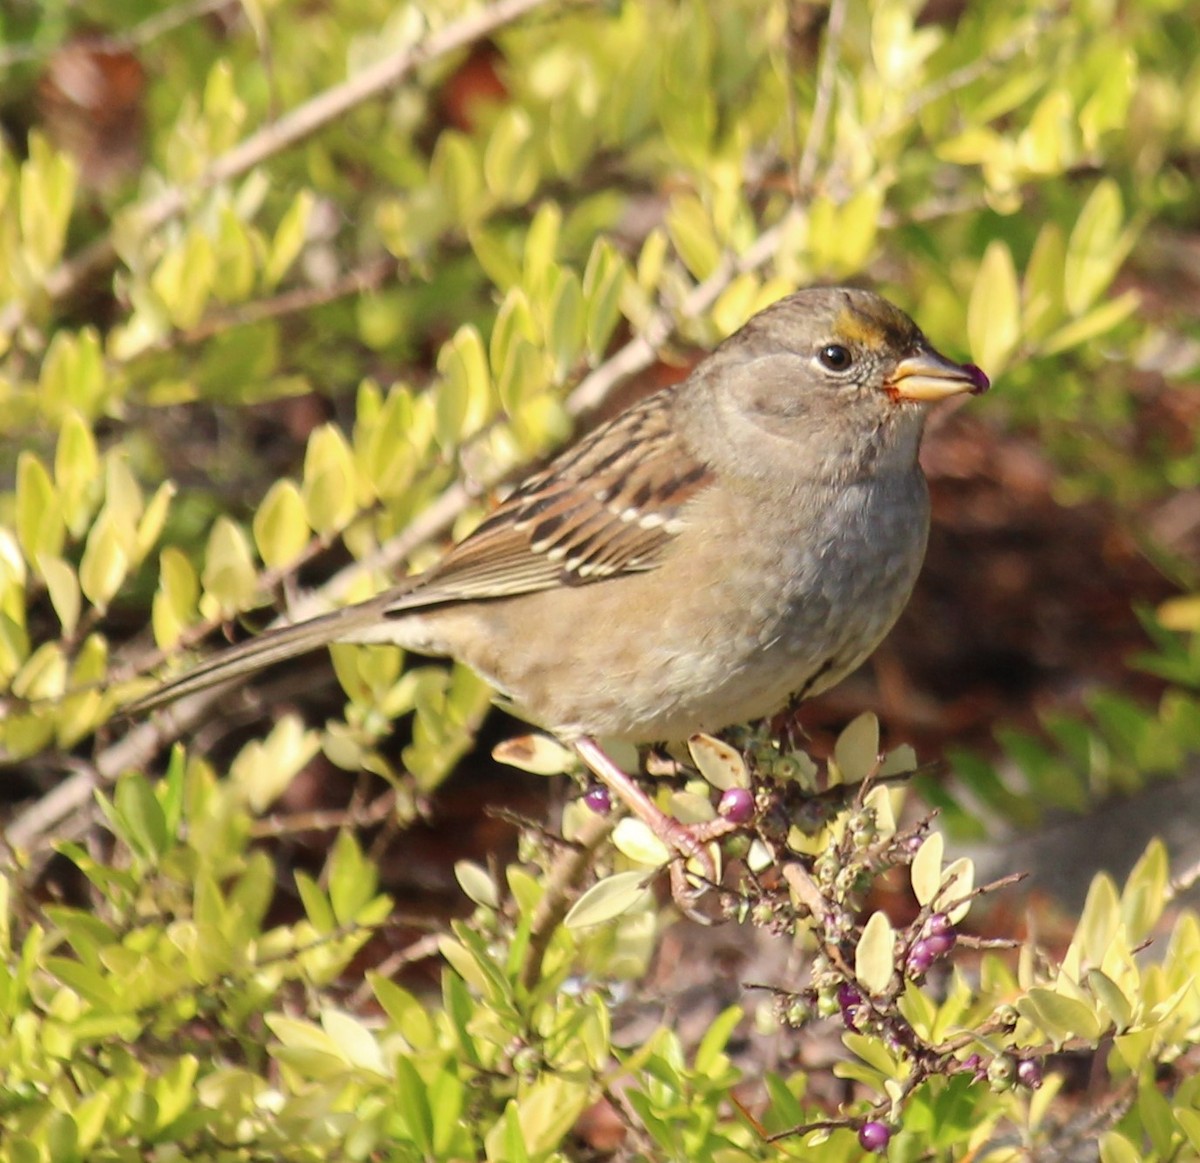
(727, 648)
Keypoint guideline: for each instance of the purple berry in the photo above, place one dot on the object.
(920, 958)
(598, 799)
(874, 1137)
(938, 923)
(940, 944)
(1029, 1073)
(736, 805)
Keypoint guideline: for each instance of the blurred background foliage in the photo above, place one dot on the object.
(288, 289)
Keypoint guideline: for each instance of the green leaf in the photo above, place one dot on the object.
(330, 482)
(477, 883)
(1097, 322)
(958, 879)
(153, 519)
(105, 561)
(690, 227)
(994, 311)
(874, 956)
(280, 525)
(41, 529)
(1111, 996)
(464, 397)
(229, 580)
(77, 472)
(1145, 894)
(63, 588)
(174, 605)
(139, 817)
(1059, 1017)
(1096, 247)
(926, 870)
(183, 279)
(352, 879)
(856, 752)
(566, 330)
(634, 839)
(510, 163)
(47, 196)
(609, 898)
(710, 1060)
(721, 765)
(290, 236)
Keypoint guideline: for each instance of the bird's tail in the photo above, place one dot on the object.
(262, 651)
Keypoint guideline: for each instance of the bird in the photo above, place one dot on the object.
(726, 546)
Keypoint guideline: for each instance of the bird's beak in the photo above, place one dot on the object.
(927, 376)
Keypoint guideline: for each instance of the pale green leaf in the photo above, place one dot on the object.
(1096, 248)
(609, 898)
(41, 530)
(634, 839)
(926, 870)
(477, 883)
(539, 754)
(280, 525)
(720, 764)
(856, 752)
(289, 239)
(77, 472)
(874, 956)
(329, 487)
(228, 578)
(105, 561)
(994, 310)
(63, 587)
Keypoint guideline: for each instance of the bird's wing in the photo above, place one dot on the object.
(609, 505)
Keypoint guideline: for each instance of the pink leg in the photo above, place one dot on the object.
(690, 842)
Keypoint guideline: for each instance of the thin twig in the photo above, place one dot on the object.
(823, 103)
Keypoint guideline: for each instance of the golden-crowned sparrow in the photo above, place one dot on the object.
(736, 540)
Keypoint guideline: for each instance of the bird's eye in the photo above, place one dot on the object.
(835, 357)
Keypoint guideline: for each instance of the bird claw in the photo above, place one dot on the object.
(695, 868)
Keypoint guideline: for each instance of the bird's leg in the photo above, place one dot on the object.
(690, 842)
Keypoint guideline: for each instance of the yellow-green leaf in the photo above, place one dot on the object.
(994, 311)
(41, 529)
(105, 561)
(77, 472)
(280, 526)
(874, 956)
(611, 897)
(856, 752)
(720, 764)
(1096, 248)
(329, 486)
(229, 579)
(289, 239)
(63, 588)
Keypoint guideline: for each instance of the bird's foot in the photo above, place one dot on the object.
(696, 867)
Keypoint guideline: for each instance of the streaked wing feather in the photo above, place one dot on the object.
(609, 505)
